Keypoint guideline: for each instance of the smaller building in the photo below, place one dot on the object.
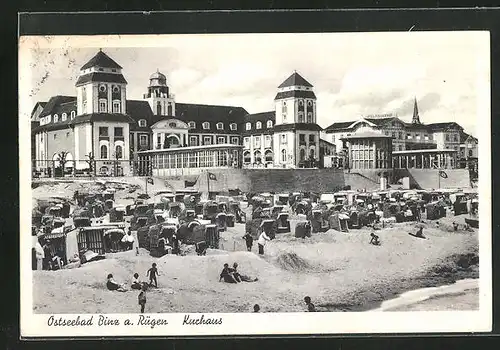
(191, 160)
(368, 150)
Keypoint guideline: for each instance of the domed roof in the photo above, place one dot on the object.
(158, 75)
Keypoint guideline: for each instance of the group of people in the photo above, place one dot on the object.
(137, 284)
(261, 243)
(232, 275)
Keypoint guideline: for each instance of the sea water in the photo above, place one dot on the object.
(447, 296)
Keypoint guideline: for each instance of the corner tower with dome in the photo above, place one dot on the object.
(161, 101)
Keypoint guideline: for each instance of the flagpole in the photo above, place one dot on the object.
(147, 185)
(208, 184)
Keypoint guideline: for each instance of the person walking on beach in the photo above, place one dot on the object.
(249, 241)
(142, 299)
(263, 238)
(310, 305)
(152, 273)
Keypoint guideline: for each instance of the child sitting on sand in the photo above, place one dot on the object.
(241, 278)
(227, 275)
(374, 239)
(112, 285)
(136, 284)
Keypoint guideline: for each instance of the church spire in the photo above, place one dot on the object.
(416, 117)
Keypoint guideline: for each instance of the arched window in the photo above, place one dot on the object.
(311, 153)
(192, 125)
(246, 157)
(258, 125)
(302, 155)
(119, 152)
(73, 114)
(170, 109)
(301, 117)
(248, 126)
(206, 125)
(233, 126)
(257, 157)
(269, 156)
(283, 155)
(116, 107)
(301, 102)
(309, 117)
(104, 152)
(220, 126)
(269, 124)
(158, 108)
(56, 119)
(103, 106)
(64, 117)
(309, 103)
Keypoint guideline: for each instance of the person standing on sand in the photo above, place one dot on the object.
(249, 241)
(142, 299)
(152, 273)
(256, 308)
(263, 238)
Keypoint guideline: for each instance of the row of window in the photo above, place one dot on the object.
(105, 152)
(103, 106)
(208, 140)
(104, 131)
(64, 117)
(301, 104)
(256, 140)
(258, 125)
(268, 157)
(219, 126)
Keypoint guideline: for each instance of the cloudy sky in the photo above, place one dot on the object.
(352, 74)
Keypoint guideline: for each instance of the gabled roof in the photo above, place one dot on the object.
(38, 104)
(54, 104)
(101, 60)
(101, 77)
(261, 117)
(444, 126)
(295, 80)
(210, 113)
(138, 110)
(339, 126)
(464, 136)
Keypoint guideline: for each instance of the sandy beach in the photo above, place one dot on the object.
(339, 271)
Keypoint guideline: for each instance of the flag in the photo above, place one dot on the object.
(149, 180)
(443, 174)
(212, 176)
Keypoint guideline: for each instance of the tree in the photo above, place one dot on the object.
(61, 157)
(90, 161)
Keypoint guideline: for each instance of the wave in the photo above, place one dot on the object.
(419, 295)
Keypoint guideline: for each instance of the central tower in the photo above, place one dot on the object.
(160, 99)
(295, 101)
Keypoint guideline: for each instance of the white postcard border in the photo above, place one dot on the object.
(36, 325)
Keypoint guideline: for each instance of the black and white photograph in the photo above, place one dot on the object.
(329, 182)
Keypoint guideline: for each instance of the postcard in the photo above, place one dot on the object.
(255, 184)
